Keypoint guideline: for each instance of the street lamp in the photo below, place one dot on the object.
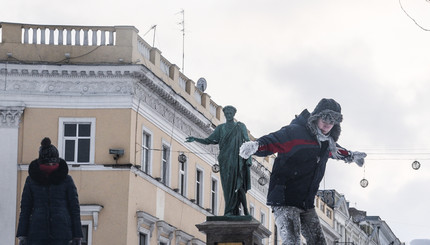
(416, 165)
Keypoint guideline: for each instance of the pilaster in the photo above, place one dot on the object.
(10, 115)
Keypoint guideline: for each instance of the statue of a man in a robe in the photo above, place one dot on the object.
(234, 170)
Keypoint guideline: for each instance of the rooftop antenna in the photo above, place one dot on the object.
(154, 27)
(182, 23)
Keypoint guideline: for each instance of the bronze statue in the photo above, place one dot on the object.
(234, 170)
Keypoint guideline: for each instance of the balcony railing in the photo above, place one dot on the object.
(68, 35)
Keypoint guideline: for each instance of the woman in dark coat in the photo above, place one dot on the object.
(50, 213)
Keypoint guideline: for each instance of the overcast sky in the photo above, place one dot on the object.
(272, 59)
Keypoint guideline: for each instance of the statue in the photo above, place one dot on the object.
(234, 170)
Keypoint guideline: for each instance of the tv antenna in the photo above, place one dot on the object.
(154, 27)
(182, 23)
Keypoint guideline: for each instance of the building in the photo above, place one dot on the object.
(346, 225)
(119, 113)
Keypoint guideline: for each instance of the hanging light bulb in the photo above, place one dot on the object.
(182, 158)
(215, 168)
(364, 183)
(416, 165)
(262, 180)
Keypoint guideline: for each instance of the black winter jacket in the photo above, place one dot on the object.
(49, 205)
(299, 167)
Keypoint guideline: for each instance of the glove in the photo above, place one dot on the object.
(76, 241)
(248, 148)
(357, 157)
(22, 240)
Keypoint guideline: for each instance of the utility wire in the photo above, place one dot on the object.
(416, 23)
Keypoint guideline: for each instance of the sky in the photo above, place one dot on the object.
(271, 59)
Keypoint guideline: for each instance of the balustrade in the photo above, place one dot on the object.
(68, 35)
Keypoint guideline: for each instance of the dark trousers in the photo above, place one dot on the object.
(292, 220)
(48, 242)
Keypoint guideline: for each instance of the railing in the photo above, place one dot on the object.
(68, 35)
(198, 96)
(165, 66)
(182, 82)
(144, 48)
(212, 108)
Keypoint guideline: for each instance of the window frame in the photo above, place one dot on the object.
(183, 173)
(61, 138)
(214, 195)
(88, 223)
(165, 174)
(252, 209)
(145, 131)
(328, 213)
(199, 192)
(146, 234)
(263, 217)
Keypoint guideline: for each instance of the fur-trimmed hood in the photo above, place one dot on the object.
(55, 177)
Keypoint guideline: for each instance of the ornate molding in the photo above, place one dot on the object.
(166, 105)
(10, 116)
(92, 210)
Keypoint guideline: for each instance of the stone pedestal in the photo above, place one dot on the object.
(233, 230)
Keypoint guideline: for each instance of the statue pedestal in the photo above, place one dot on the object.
(233, 230)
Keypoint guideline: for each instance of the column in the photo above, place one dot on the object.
(9, 122)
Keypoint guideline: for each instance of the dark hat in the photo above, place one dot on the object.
(47, 152)
(329, 110)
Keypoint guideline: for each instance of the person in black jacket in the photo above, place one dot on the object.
(303, 149)
(50, 213)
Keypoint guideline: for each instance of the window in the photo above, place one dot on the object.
(183, 178)
(165, 164)
(214, 196)
(199, 187)
(262, 218)
(322, 207)
(143, 239)
(328, 213)
(76, 140)
(251, 209)
(146, 151)
(87, 231)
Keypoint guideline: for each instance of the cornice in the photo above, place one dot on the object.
(86, 81)
(173, 105)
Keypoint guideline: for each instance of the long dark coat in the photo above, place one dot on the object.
(49, 206)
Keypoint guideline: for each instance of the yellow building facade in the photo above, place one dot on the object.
(119, 113)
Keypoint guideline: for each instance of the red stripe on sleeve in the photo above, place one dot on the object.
(287, 146)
